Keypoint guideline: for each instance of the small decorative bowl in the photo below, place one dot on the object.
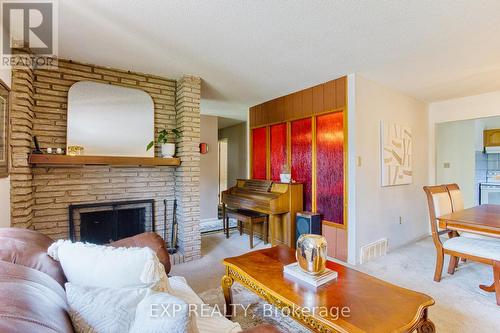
(75, 150)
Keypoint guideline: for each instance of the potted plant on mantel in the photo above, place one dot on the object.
(167, 148)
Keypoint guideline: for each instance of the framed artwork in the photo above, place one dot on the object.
(4, 129)
(396, 143)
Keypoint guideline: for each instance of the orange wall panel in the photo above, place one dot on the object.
(259, 147)
(278, 149)
(301, 150)
(330, 167)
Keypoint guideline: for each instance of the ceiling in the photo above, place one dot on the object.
(248, 52)
(223, 122)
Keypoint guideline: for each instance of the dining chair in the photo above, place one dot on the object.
(457, 203)
(457, 199)
(485, 251)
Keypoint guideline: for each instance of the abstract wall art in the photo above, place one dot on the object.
(396, 154)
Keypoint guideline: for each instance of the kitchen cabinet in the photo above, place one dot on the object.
(491, 138)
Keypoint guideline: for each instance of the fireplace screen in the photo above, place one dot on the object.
(105, 222)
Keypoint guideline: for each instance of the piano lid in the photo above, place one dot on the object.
(257, 185)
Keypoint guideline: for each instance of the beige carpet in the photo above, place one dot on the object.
(207, 272)
(460, 305)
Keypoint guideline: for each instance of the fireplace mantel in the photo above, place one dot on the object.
(66, 160)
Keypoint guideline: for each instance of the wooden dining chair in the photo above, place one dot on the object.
(457, 199)
(457, 203)
(485, 251)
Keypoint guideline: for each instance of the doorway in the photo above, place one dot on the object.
(222, 166)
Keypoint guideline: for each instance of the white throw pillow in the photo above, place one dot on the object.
(109, 267)
(103, 310)
(161, 313)
(139, 310)
(215, 322)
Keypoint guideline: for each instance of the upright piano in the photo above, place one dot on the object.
(281, 201)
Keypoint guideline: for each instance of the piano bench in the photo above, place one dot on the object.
(248, 216)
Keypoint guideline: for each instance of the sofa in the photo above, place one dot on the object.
(32, 284)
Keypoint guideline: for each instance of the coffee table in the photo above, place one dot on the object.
(374, 305)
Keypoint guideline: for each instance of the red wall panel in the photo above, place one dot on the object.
(330, 166)
(302, 157)
(278, 150)
(259, 153)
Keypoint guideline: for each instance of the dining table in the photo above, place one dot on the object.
(481, 220)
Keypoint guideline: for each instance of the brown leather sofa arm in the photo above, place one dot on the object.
(29, 248)
(147, 239)
(262, 329)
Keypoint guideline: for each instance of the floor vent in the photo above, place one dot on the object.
(373, 250)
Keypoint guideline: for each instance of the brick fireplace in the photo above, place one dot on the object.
(41, 195)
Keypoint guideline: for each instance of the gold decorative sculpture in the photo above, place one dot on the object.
(311, 253)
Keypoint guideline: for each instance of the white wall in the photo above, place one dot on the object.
(472, 107)
(378, 208)
(236, 151)
(209, 168)
(5, 75)
(455, 145)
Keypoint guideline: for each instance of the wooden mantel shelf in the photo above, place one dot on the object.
(66, 160)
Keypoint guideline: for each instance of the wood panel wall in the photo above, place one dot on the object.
(326, 97)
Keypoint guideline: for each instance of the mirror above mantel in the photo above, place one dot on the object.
(110, 120)
(113, 124)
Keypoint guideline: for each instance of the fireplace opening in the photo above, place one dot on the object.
(110, 221)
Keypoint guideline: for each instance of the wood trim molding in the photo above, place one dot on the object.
(268, 152)
(335, 225)
(289, 144)
(346, 159)
(66, 160)
(250, 152)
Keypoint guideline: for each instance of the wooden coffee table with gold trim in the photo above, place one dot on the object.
(373, 305)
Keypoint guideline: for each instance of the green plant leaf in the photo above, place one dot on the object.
(177, 132)
(162, 137)
(150, 145)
